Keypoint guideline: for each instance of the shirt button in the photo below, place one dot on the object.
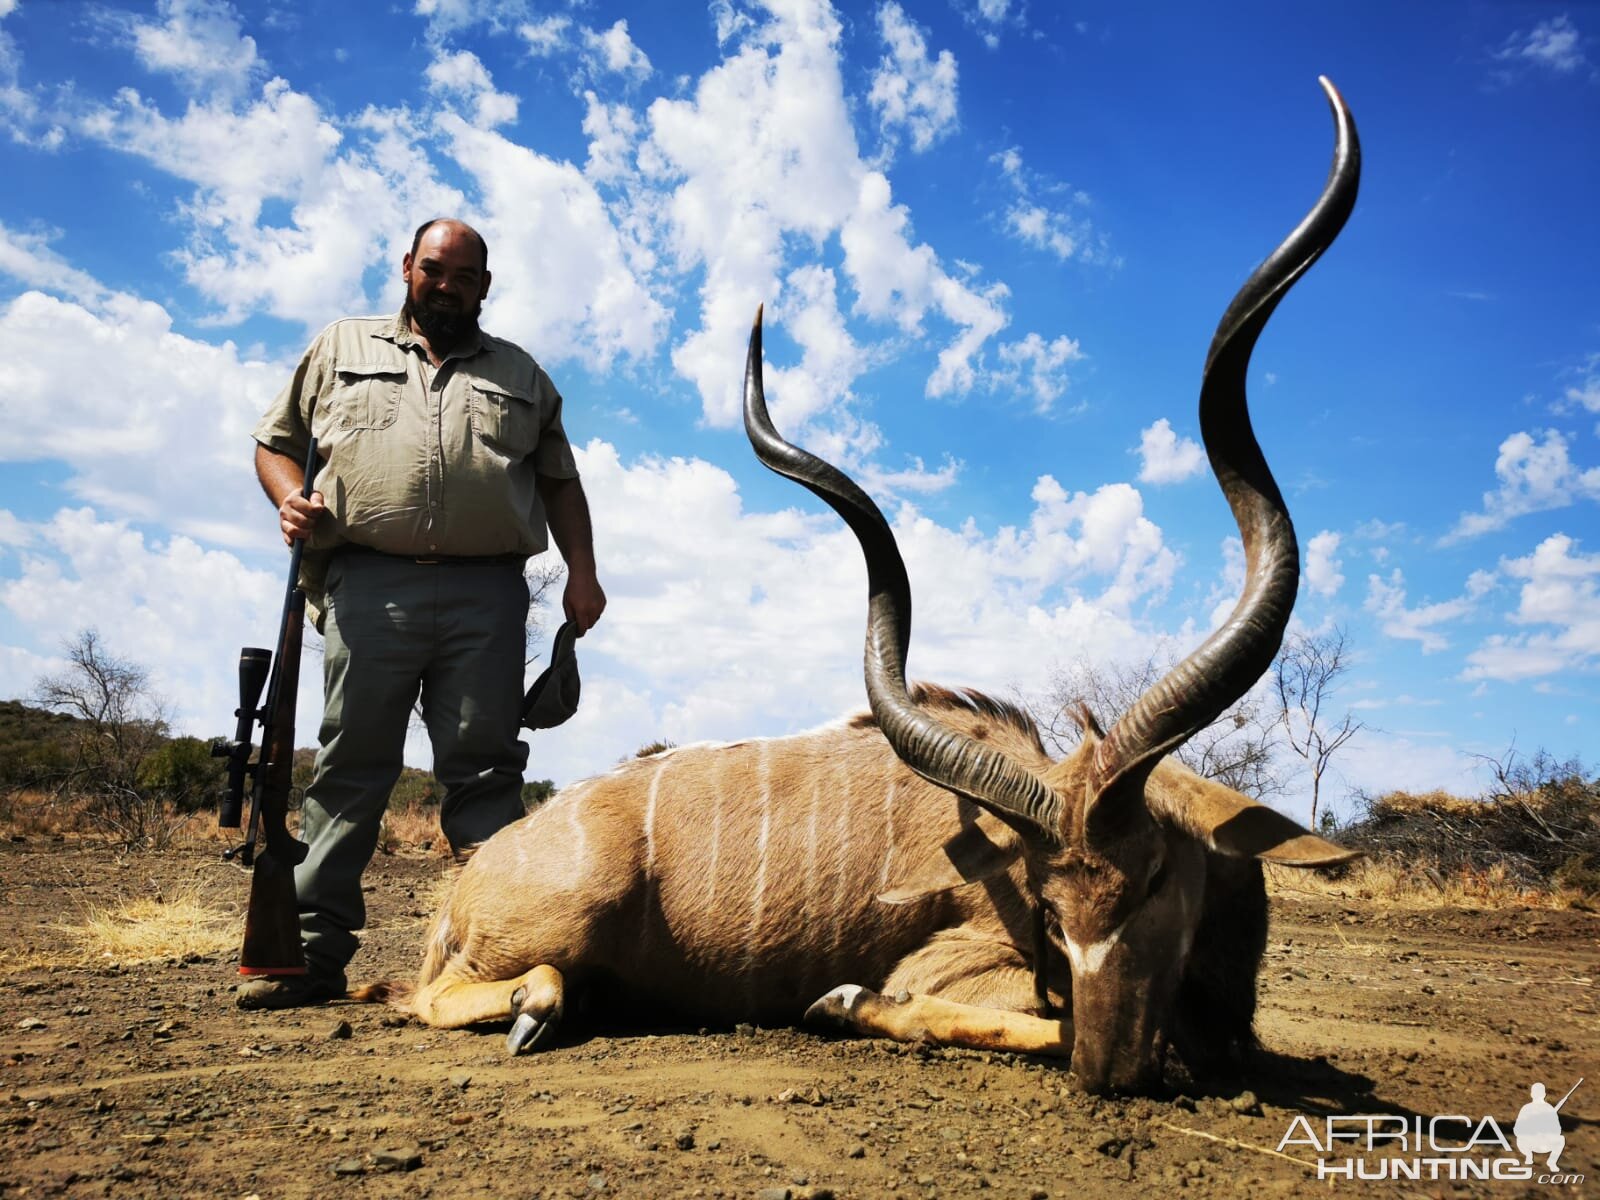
(431, 546)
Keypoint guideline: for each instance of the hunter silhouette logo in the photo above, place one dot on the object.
(1389, 1146)
(1538, 1127)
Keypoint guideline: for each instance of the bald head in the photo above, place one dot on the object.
(449, 226)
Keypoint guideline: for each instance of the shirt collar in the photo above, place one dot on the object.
(399, 332)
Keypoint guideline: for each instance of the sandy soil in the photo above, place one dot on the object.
(146, 1081)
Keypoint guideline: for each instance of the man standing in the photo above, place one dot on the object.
(443, 461)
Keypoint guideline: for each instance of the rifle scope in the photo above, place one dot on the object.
(255, 664)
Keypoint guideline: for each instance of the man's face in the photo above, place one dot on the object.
(445, 286)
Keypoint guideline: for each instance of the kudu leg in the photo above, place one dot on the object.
(533, 1000)
(958, 990)
(942, 1022)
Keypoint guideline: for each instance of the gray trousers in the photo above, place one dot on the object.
(394, 628)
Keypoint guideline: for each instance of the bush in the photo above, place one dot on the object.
(415, 789)
(1539, 825)
(183, 773)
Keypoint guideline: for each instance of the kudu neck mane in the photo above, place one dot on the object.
(966, 704)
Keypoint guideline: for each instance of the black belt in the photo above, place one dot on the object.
(438, 560)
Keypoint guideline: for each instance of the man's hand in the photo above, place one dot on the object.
(298, 514)
(283, 480)
(583, 600)
(567, 513)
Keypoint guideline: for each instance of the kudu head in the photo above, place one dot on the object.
(1115, 837)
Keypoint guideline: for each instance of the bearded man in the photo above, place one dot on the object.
(443, 460)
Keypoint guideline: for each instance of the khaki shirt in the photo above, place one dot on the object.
(418, 459)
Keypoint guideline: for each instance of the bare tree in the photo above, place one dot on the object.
(1303, 676)
(1236, 749)
(543, 573)
(1519, 779)
(120, 723)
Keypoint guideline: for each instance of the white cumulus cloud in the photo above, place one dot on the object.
(1322, 568)
(146, 420)
(1036, 367)
(571, 292)
(763, 156)
(1535, 475)
(198, 42)
(463, 75)
(449, 16)
(1386, 600)
(1586, 394)
(614, 51)
(347, 208)
(30, 259)
(1048, 215)
(911, 90)
(546, 36)
(613, 131)
(1164, 457)
(1561, 590)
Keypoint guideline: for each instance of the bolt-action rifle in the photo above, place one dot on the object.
(272, 922)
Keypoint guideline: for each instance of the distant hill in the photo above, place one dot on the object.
(36, 745)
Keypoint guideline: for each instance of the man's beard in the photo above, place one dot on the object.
(445, 328)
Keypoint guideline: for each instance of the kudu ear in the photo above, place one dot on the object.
(1236, 825)
(983, 849)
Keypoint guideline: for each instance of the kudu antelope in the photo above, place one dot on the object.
(927, 870)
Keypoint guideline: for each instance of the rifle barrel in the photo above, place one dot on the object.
(1568, 1096)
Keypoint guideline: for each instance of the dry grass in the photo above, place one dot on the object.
(39, 814)
(1420, 887)
(412, 827)
(1437, 801)
(27, 813)
(183, 925)
(157, 929)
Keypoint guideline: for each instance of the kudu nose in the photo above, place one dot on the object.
(1103, 1071)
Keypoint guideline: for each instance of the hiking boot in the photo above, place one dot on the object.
(290, 991)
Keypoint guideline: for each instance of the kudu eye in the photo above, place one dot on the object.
(1158, 880)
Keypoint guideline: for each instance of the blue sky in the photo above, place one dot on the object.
(993, 240)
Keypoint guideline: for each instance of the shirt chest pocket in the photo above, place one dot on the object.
(505, 418)
(366, 395)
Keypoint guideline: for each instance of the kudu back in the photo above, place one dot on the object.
(927, 869)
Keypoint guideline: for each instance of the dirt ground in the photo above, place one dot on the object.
(146, 1081)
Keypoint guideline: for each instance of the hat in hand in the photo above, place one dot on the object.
(554, 695)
